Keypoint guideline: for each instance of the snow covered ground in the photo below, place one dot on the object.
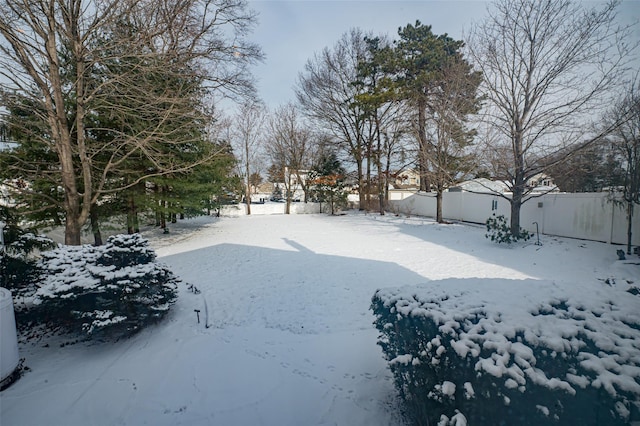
(285, 334)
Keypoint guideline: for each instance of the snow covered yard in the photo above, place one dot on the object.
(285, 334)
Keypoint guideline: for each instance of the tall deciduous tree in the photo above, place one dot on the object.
(248, 129)
(327, 94)
(626, 142)
(548, 66)
(50, 51)
(289, 146)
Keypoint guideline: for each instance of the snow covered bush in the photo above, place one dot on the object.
(18, 269)
(114, 289)
(499, 231)
(496, 355)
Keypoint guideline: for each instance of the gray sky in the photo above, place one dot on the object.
(291, 31)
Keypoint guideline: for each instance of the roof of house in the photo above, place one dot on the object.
(482, 185)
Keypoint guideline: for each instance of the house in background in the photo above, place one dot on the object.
(481, 185)
(540, 180)
(407, 179)
(542, 183)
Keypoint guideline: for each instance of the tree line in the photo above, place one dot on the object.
(537, 88)
(114, 105)
(111, 105)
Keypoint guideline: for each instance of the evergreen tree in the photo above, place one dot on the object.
(379, 104)
(429, 73)
(153, 143)
(136, 62)
(327, 181)
(596, 167)
(418, 60)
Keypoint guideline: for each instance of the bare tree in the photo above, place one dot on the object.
(626, 142)
(396, 153)
(327, 94)
(248, 135)
(548, 65)
(63, 57)
(289, 146)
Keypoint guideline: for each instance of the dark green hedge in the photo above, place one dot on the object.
(449, 354)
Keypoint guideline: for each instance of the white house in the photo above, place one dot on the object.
(407, 179)
(542, 183)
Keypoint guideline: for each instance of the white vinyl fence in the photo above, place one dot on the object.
(268, 208)
(589, 216)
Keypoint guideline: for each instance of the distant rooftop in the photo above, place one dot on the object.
(481, 185)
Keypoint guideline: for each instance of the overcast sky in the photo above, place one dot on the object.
(291, 31)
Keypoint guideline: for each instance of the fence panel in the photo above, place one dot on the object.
(590, 216)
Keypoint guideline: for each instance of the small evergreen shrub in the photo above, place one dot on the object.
(499, 231)
(112, 290)
(565, 364)
(18, 268)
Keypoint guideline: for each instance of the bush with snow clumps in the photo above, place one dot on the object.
(114, 289)
(499, 231)
(511, 352)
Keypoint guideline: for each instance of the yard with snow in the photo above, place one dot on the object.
(285, 333)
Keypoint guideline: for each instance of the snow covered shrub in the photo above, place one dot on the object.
(500, 232)
(114, 290)
(18, 269)
(460, 353)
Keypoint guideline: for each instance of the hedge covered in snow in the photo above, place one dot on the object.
(112, 289)
(512, 352)
(18, 268)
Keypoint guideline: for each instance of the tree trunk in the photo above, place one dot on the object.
(387, 174)
(59, 124)
(95, 226)
(72, 209)
(156, 190)
(72, 226)
(519, 182)
(368, 193)
(439, 206)
(331, 203)
(422, 146)
(516, 203)
(361, 197)
(163, 215)
(378, 157)
(629, 225)
(287, 190)
(131, 214)
(247, 192)
(136, 223)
